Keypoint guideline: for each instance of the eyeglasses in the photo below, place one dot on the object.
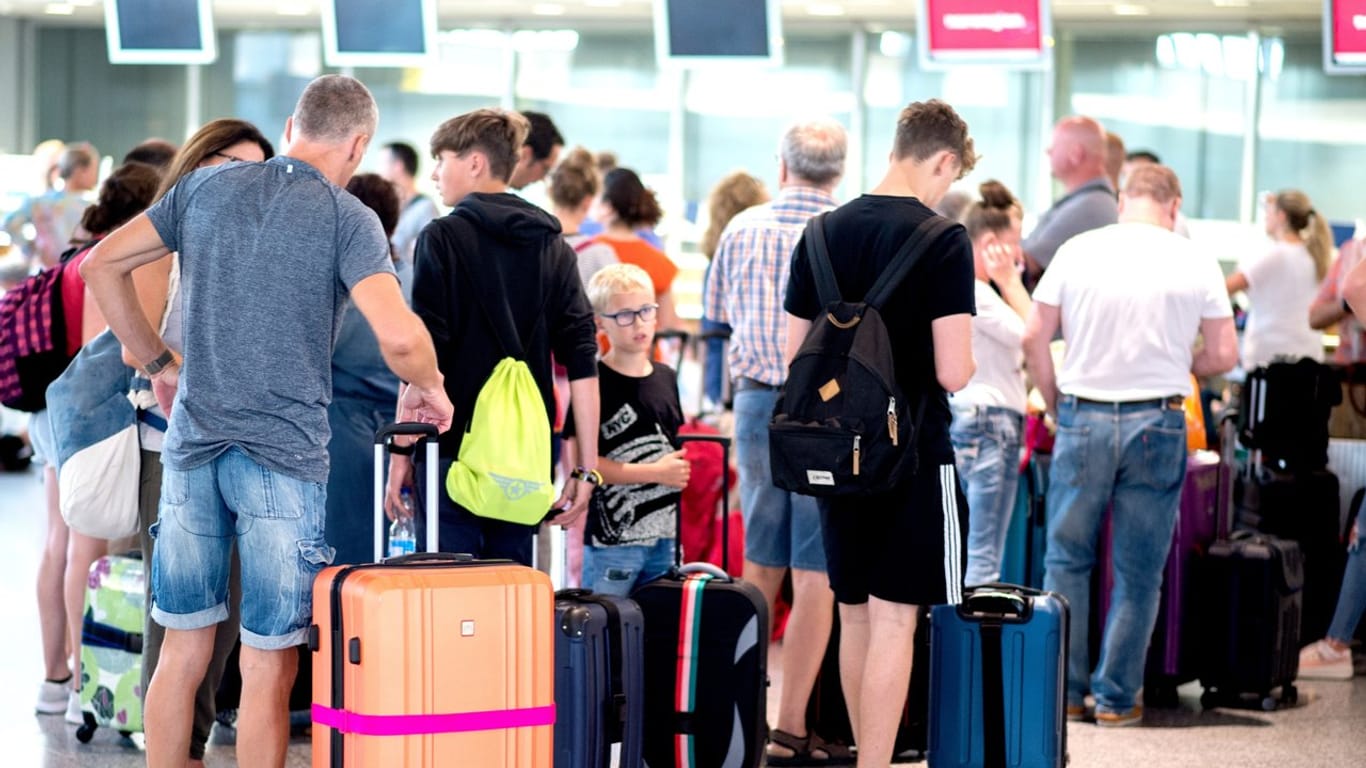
(232, 158)
(627, 317)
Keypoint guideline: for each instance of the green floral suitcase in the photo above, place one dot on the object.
(111, 647)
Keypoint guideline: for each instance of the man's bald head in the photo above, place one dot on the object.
(1077, 154)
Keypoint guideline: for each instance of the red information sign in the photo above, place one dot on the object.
(1344, 24)
(995, 31)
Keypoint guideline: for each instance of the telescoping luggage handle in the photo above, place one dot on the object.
(992, 606)
(384, 443)
(723, 572)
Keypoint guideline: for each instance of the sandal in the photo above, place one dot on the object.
(808, 750)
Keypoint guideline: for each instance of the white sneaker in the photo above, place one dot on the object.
(52, 697)
(74, 715)
(1321, 661)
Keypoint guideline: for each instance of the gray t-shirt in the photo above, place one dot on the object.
(1090, 206)
(268, 253)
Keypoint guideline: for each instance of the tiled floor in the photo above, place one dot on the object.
(1327, 729)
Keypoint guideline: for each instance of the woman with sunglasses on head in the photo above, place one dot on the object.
(218, 143)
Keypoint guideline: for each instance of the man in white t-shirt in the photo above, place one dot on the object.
(1131, 299)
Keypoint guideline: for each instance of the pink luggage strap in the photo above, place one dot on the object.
(346, 721)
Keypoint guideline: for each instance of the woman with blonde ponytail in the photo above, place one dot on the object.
(1281, 282)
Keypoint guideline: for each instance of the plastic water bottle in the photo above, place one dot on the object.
(402, 534)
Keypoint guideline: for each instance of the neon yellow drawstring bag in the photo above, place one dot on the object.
(503, 469)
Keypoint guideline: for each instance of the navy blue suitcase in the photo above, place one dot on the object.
(599, 680)
(998, 686)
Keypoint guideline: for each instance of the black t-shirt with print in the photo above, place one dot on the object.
(862, 236)
(640, 419)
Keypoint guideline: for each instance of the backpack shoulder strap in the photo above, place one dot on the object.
(818, 253)
(916, 246)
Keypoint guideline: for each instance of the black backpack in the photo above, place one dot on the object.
(843, 426)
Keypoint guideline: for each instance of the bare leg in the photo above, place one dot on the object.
(169, 706)
(82, 552)
(883, 694)
(808, 633)
(854, 630)
(263, 719)
(51, 600)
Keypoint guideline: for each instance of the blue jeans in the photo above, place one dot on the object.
(618, 570)
(351, 477)
(782, 529)
(1131, 455)
(278, 523)
(986, 448)
(1352, 598)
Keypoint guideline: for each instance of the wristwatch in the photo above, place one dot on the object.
(591, 476)
(158, 365)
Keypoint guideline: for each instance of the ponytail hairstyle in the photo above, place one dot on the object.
(126, 193)
(634, 204)
(1310, 225)
(995, 212)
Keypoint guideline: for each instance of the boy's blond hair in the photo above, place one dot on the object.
(616, 278)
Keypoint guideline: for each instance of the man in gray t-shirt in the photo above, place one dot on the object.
(269, 254)
(1077, 159)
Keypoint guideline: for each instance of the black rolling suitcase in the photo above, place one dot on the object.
(1302, 507)
(706, 664)
(1251, 605)
(599, 680)
(827, 715)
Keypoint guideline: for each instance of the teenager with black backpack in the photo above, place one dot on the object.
(895, 540)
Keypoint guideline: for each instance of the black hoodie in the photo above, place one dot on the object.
(498, 253)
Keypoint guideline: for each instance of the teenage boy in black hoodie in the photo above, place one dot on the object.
(498, 253)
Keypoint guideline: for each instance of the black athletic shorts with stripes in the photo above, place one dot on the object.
(906, 546)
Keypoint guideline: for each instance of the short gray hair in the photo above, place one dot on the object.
(814, 150)
(76, 157)
(333, 108)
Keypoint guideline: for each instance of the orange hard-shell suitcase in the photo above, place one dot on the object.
(432, 659)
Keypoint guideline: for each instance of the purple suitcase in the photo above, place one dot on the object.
(1172, 654)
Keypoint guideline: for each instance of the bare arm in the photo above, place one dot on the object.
(583, 399)
(152, 282)
(1220, 352)
(1354, 289)
(670, 469)
(953, 361)
(1039, 330)
(797, 328)
(668, 311)
(108, 273)
(1235, 282)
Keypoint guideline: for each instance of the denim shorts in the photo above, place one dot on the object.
(618, 570)
(277, 521)
(782, 529)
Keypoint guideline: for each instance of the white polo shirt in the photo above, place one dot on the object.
(1131, 298)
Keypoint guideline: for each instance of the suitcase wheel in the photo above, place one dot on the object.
(86, 731)
(1291, 695)
(1208, 700)
(1269, 703)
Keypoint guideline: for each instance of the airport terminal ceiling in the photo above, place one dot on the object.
(802, 12)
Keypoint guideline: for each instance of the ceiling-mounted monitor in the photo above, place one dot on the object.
(160, 31)
(371, 33)
(702, 32)
(1344, 37)
(1002, 33)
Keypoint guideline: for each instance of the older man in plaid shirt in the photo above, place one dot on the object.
(782, 530)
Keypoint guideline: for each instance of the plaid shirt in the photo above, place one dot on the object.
(26, 326)
(748, 278)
